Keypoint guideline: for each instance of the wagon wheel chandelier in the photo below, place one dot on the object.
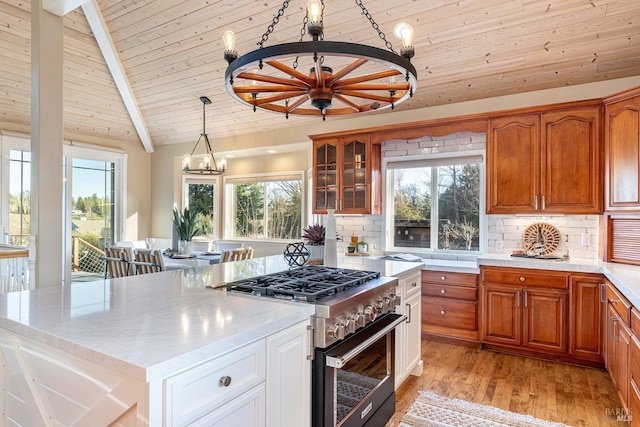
(343, 78)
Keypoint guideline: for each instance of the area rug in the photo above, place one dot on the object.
(432, 410)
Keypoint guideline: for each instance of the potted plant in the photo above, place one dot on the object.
(314, 236)
(362, 247)
(185, 224)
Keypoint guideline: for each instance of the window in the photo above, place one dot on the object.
(201, 197)
(266, 207)
(435, 204)
(19, 197)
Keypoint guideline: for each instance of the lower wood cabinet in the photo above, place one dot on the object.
(549, 314)
(450, 306)
(531, 318)
(586, 313)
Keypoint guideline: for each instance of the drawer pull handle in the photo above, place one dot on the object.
(442, 312)
(613, 301)
(442, 291)
(522, 279)
(443, 278)
(224, 381)
(414, 284)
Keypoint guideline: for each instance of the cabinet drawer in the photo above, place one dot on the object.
(448, 291)
(447, 278)
(619, 303)
(526, 278)
(200, 390)
(450, 313)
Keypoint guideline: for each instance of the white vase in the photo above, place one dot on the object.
(330, 244)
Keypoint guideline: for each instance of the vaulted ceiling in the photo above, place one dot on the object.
(171, 53)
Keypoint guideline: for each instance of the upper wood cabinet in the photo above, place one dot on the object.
(346, 175)
(622, 142)
(545, 163)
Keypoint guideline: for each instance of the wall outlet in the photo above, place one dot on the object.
(585, 239)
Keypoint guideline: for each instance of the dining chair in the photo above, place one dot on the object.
(148, 261)
(117, 261)
(238, 254)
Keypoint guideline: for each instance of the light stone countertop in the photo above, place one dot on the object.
(625, 277)
(154, 325)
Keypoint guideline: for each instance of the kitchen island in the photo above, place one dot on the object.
(140, 350)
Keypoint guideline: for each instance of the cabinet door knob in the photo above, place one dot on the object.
(442, 312)
(224, 381)
(443, 278)
(522, 279)
(414, 284)
(442, 291)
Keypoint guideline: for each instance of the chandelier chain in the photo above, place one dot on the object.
(273, 24)
(375, 26)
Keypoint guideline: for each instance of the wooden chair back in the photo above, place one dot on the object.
(118, 261)
(148, 261)
(236, 254)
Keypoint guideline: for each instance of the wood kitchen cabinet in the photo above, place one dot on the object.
(618, 342)
(525, 310)
(586, 313)
(622, 150)
(532, 158)
(450, 307)
(346, 175)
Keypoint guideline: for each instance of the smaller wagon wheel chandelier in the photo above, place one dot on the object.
(343, 78)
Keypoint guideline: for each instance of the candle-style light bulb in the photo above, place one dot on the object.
(314, 10)
(186, 161)
(404, 32)
(229, 39)
(314, 16)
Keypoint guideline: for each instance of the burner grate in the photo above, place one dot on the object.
(307, 283)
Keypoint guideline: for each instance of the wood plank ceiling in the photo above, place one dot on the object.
(171, 51)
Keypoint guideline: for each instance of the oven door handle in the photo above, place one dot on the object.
(384, 326)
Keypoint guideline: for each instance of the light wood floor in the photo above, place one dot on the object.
(552, 391)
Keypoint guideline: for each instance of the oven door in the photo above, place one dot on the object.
(353, 378)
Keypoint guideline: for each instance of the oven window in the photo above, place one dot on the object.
(361, 376)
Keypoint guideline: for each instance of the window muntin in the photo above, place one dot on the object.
(268, 207)
(435, 205)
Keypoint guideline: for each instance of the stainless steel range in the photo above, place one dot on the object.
(353, 324)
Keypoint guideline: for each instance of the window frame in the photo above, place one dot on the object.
(228, 231)
(215, 180)
(433, 160)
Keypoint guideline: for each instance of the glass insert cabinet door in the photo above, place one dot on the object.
(343, 174)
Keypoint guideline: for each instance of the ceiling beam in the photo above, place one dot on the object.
(105, 42)
(61, 7)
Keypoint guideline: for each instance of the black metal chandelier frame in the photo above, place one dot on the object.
(209, 166)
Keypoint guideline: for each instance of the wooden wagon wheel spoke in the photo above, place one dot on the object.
(346, 70)
(367, 78)
(292, 72)
(271, 79)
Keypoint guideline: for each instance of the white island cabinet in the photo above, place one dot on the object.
(153, 350)
(408, 351)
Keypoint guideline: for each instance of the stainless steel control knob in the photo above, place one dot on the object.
(349, 325)
(359, 319)
(370, 312)
(336, 330)
(382, 306)
(395, 299)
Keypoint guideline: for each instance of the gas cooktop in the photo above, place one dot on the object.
(308, 283)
